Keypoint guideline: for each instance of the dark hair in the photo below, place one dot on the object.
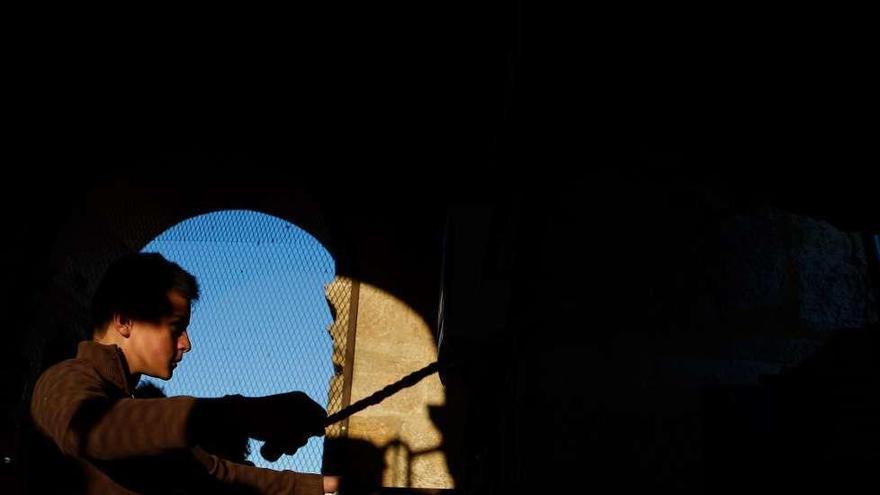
(136, 286)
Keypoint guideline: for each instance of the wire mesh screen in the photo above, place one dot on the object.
(340, 296)
(263, 324)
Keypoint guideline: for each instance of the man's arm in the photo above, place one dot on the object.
(72, 406)
(262, 480)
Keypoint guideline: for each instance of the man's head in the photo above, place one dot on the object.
(143, 305)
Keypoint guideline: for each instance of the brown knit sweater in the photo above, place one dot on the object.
(117, 444)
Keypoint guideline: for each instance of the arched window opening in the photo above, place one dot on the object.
(261, 325)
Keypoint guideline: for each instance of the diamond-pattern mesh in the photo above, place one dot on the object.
(339, 294)
(261, 325)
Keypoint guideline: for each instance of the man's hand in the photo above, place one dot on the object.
(285, 422)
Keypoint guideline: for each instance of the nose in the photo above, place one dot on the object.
(183, 343)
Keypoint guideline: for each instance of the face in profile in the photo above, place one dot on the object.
(155, 348)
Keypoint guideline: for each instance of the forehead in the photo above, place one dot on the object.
(179, 304)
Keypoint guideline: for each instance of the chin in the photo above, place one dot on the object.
(164, 375)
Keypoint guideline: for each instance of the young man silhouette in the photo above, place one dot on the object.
(112, 442)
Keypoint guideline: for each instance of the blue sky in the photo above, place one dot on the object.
(261, 324)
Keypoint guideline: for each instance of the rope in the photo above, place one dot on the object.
(377, 397)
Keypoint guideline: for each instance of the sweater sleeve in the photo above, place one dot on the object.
(70, 404)
(261, 480)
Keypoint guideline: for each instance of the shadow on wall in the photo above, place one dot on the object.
(360, 464)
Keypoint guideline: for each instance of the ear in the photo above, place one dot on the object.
(121, 325)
